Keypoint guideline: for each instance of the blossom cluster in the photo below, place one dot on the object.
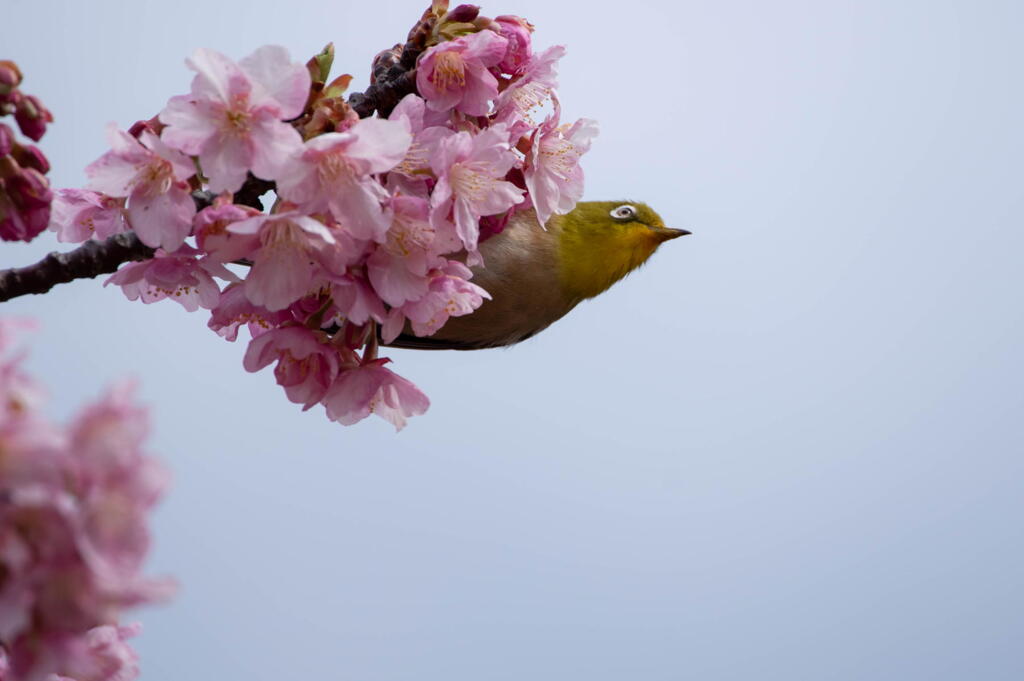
(25, 194)
(377, 221)
(74, 503)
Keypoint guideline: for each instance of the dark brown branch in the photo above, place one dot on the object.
(394, 76)
(89, 260)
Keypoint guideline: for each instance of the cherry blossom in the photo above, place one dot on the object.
(553, 173)
(306, 364)
(232, 120)
(374, 389)
(285, 262)
(398, 269)
(450, 294)
(455, 75)
(470, 169)
(333, 173)
(530, 91)
(516, 31)
(234, 309)
(152, 177)
(79, 215)
(74, 508)
(179, 276)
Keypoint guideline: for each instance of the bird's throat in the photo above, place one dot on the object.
(592, 259)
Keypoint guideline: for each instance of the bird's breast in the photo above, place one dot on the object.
(521, 272)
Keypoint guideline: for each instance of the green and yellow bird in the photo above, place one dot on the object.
(536, 276)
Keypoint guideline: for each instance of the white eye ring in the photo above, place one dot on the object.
(623, 213)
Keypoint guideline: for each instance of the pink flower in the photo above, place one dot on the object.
(334, 174)
(398, 268)
(450, 295)
(233, 118)
(212, 235)
(531, 90)
(355, 301)
(101, 655)
(427, 131)
(469, 171)
(152, 176)
(79, 215)
(285, 264)
(234, 309)
(179, 276)
(373, 389)
(454, 74)
(117, 485)
(516, 31)
(306, 365)
(74, 506)
(553, 173)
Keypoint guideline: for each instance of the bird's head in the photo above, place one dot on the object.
(600, 242)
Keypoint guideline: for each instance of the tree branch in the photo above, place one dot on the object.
(88, 260)
(394, 76)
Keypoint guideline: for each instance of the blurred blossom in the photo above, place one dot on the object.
(74, 512)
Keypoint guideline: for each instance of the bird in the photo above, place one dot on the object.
(536, 276)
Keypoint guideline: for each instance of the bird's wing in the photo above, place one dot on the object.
(411, 342)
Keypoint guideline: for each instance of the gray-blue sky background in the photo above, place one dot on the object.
(788, 448)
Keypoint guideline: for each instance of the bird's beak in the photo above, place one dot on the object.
(666, 233)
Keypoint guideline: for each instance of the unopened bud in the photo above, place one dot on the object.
(30, 156)
(24, 205)
(32, 117)
(10, 76)
(517, 31)
(463, 14)
(462, 20)
(29, 189)
(6, 140)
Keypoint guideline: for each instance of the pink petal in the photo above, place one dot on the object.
(226, 163)
(162, 220)
(280, 278)
(190, 124)
(274, 143)
(380, 144)
(217, 76)
(279, 78)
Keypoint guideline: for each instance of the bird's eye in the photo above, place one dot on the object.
(623, 213)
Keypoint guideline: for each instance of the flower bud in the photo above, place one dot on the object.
(462, 20)
(10, 76)
(6, 140)
(29, 156)
(463, 14)
(24, 205)
(30, 189)
(32, 117)
(517, 31)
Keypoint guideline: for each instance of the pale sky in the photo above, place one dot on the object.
(788, 448)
